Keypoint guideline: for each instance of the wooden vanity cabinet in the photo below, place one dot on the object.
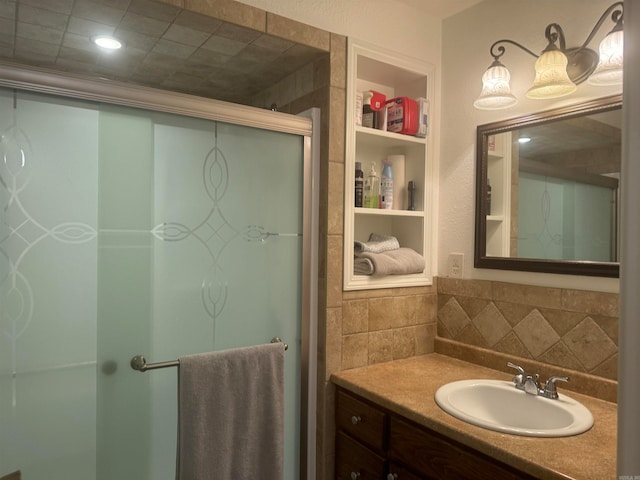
(361, 439)
(354, 461)
(373, 443)
(398, 472)
(434, 456)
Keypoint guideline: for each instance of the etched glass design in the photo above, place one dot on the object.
(126, 232)
(563, 219)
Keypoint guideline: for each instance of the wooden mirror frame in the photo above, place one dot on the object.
(569, 267)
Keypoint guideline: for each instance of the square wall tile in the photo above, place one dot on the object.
(355, 350)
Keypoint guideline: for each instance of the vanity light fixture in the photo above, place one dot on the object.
(107, 42)
(558, 69)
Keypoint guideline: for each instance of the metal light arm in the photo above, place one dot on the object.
(580, 63)
(616, 17)
(500, 49)
(552, 33)
(554, 36)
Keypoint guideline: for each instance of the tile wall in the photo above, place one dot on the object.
(387, 325)
(574, 329)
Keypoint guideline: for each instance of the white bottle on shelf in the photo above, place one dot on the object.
(372, 189)
(386, 187)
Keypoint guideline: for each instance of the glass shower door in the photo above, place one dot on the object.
(48, 287)
(133, 232)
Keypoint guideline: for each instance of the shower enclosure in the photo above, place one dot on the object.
(137, 222)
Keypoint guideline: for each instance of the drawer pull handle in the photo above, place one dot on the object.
(355, 475)
(356, 419)
(392, 476)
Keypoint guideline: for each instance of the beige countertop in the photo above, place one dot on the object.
(407, 387)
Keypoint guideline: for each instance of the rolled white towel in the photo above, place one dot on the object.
(402, 261)
(376, 244)
(362, 266)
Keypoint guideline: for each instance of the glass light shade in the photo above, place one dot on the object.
(609, 69)
(551, 76)
(496, 91)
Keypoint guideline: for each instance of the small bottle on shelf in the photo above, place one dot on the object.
(369, 115)
(372, 189)
(386, 187)
(359, 186)
(488, 196)
(412, 195)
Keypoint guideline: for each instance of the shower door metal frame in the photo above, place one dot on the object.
(35, 79)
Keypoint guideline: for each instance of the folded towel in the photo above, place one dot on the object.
(394, 262)
(231, 414)
(362, 266)
(377, 244)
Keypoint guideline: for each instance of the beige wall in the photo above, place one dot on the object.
(465, 56)
(392, 24)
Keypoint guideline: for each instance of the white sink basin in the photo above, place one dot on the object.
(498, 405)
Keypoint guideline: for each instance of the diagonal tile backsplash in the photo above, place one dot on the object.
(574, 329)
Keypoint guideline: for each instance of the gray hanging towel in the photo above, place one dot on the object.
(231, 414)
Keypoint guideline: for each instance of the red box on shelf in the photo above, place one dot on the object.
(402, 115)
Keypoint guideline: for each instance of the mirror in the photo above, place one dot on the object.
(547, 190)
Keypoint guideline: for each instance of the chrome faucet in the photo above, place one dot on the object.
(550, 387)
(524, 381)
(529, 383)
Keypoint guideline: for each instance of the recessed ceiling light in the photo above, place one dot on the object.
(110, 43)
(524, 139)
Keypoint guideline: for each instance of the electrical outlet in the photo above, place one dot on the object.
(456, 265)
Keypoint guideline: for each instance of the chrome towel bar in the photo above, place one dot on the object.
(140, 363)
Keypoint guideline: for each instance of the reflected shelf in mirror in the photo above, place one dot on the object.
(550, 204)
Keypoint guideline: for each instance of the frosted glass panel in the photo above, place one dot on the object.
(564, 220)
(48, 289)
(126, 232)
(226, 256)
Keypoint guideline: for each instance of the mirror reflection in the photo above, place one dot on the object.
(548, 190)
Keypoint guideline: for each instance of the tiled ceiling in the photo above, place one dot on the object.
(165, 46)
(598, 132)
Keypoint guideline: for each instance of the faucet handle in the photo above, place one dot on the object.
(520, 378)
(550, 386)
(517, 367)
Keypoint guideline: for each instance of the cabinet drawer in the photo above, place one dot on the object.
(396, 472)
(433, 456)
(361, 420)
(355, 461)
